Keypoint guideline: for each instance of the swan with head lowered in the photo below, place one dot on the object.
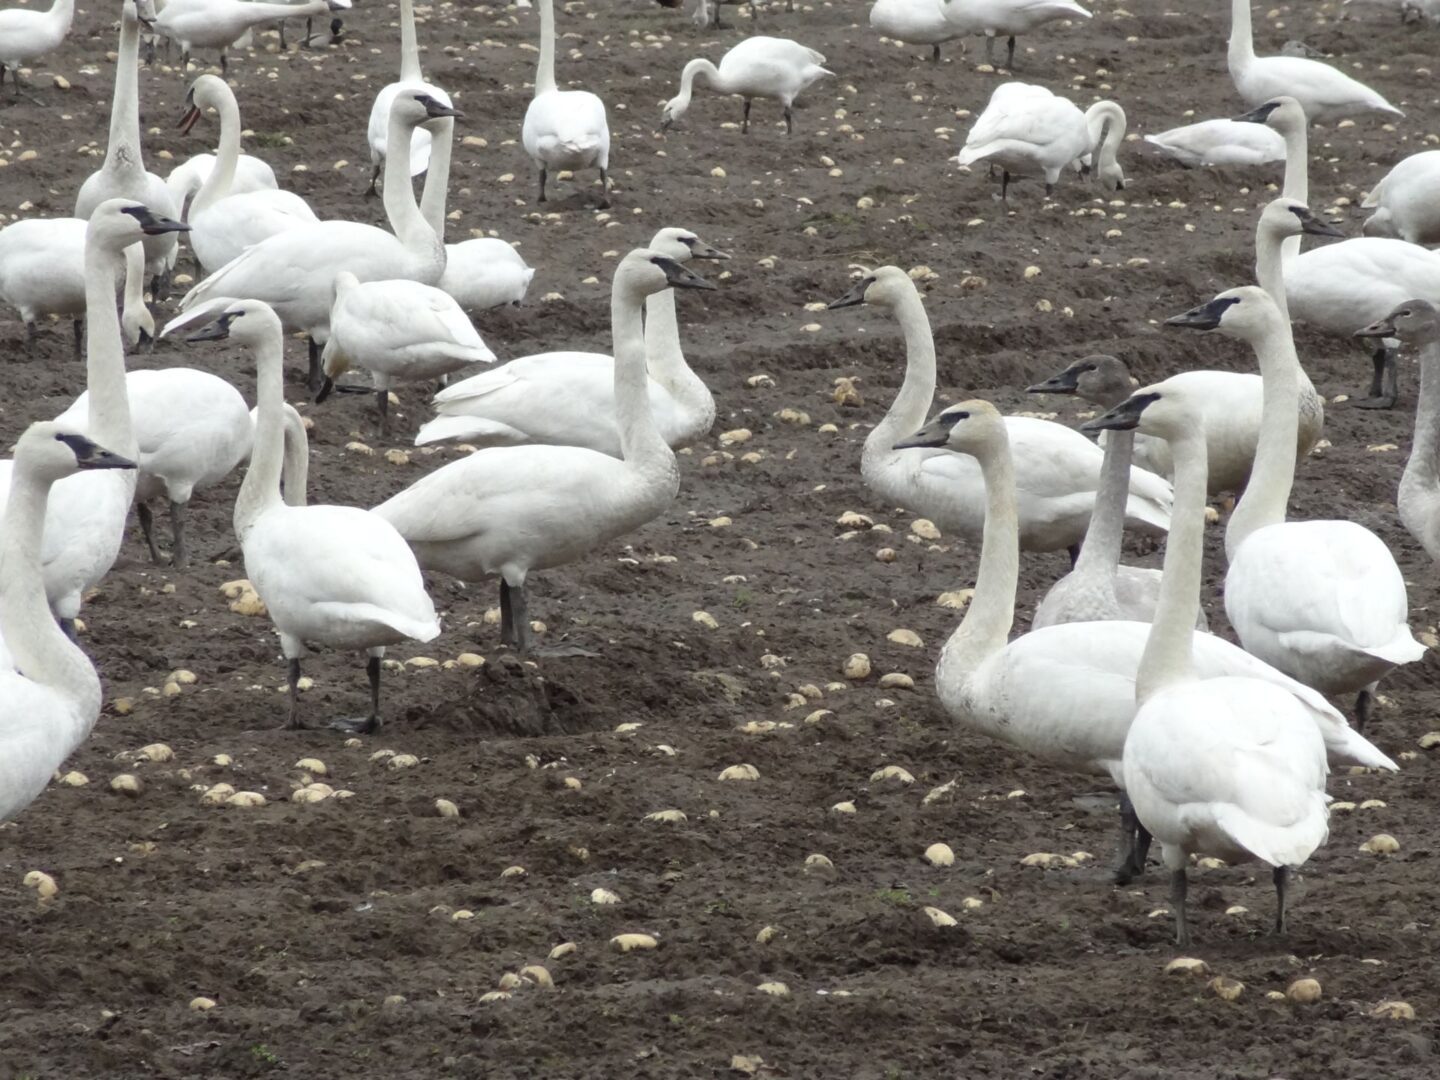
(1099, 588)
(219, 24)
(1066, 693)
(568, 398)
(765, 67)
(1057, 470)
(336, 576)
(1324, 92)
(1404, 201)
(564, 129)
(123, 175)
(49, 691)
(27, 34)
(1230, 767)
(512, 510)
(1322, 601)
(294, 271)
(224, 222)
(412, 79)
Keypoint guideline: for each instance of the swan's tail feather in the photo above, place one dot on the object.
(471, 429)
(1278, 845)
(1349, 747)
(1401, 649)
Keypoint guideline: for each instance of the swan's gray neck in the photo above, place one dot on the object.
(1100, 554)
(1419, 496)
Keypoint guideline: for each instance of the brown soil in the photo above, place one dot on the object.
(300, 920)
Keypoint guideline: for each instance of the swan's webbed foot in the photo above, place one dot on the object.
(1281, 877)
(160, 285)
(1179, 886)
(357, 725)
(147, 530)
(1384, 382)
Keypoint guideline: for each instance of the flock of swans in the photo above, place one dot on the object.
(1218, 749)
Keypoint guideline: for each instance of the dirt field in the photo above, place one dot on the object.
(303, 921)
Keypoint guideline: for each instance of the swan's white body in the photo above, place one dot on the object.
(1220, 142)
(759, 66)
(568, 398)
(218, 24)
(1007, 18)
(42, 267)
(1346, 285)
(27, 34)
(1405, 201)
(563, 129)
(186, 179)
(1324, 92)
(919, 22)
(483, 273)
(1026, 130)
(412, 79)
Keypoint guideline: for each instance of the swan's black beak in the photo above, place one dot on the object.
(666, 123)
(1123, 417)
(678, 276)
(152, 224)
(935, 433)
(218, 330)
(1204, 317)
(855, 296)
(1067, 382)
(435, 109)
(1311, 224)
(1260, 114)
(88, 455)
(699, 249)
(1380, 328)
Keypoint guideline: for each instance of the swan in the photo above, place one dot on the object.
(995, 18)
(294, 271)
(511, 510)
(759, 66)
(27, 34)
(1099, 588)
(223, 223)
(1220, 142)
(219, 24)
(396, 330)
(85, 523)
(330, 575)
(916, 22)
(137, 325)
(568, 398)
(1066, 694)
(1231, 767)
(49, 691)
(1057, 469)
(123, 174)
(1417, 323)
(187, 178)
(295, 470)
(1404, 201)
(1324, 93)
(564, 129)
(411, 79)
(1322, 601)
(1026, 129)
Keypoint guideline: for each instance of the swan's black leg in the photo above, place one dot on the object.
(1384, 382)
(604, 189)
(990, 50)
(745, 123)
(147, 529)
(374, 188)
(520, 620)
(1134, 844)
(283, 46)
(1363, 701)
(315, 377)
(789, 121)
(292, 673)
(1179, 886)
(1281, 875)
(1074, 552)
(1004, 183)
(1010, 53)
(225, 63)
(542, 184)
(935, 54)
(382, 406)
(179, 556)
(507, 622)
(78, 326)
(366, 725)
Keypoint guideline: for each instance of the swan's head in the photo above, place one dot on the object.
(1281, 113)
(1379, 223)
(52, 453)
(416, 108)
(674, 110)
(1291, 217)
(1247, 313)
(1161, 409)
(247, 322)
(1102, 380)
(206, 92)
(644, 272)
(1412, 321)
(682, 245)
(970, 427)
(118, 223)
(884, 287)
(143, 10)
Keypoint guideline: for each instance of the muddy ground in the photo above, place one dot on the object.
(300, 921)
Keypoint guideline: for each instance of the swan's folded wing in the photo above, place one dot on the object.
(560, 370)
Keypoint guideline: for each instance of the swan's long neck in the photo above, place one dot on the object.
(545, 69)
(260, 490)
(1420, 483)
(640, 440)
(1270, 256)
(1273, 473)
(692, 71)
(436, 191)
(295, 473)
(1100, 553)
(62, 12)
(1112, 119)
(109, 420)
(134, 298)
(1242, 42)
(1297, 177)
(406, 220)
(222, 177)
(124, 148)
(908, 411)
(986, 625)
(40, 648)
(409, 47)
(1167, 658)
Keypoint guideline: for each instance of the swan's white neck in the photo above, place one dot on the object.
(1419, 497)
(227, 155)
(1296, 183)
(640, 440)
(1273, 473)
(1111, 117)
(260, 490)
(693, 70)
(907, 413)
(1242, 43)
(545, 69)
(123, 153)
(667, 361)
(134, 298)
(406, 220)
(435, 194)
(1270, 256)
(409, 47)
(1100, 554)
(109, 420)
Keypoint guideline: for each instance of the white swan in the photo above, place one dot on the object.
(27, 34)
(564, 129)
(1007, 18)
(1057, 470)
(1220, 142)
(1323, 92)
(411, 79)
(223, 222)
(187, 178)
(915, 22)
(1066, 694)
(1231, 767)
(137, 325)
(219, 24)
(49, 691)
(1417, 323)
(511, 510)
(123, 175)
(1026, 129)
(759, 66)
(1404, 200)
(294, 271)
(1099, 588)
(330, 575)
(568, 398)
(85, 523)
(1322, 601)
(396, 330)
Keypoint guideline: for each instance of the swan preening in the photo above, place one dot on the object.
(27, 34)
(765, 67)
(564, 129)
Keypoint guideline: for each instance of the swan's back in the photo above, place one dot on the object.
(1343, 286)
(1325, 92)
(485, 272)
(1221, 142)
(1023, 121)
(42, 266)
(919, 22)
(1405, 202)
